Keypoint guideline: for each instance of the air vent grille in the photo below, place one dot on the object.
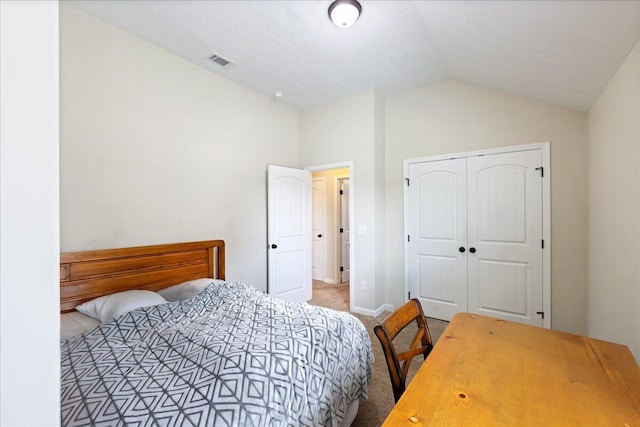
(223, 62)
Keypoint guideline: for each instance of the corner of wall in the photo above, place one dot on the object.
(613, 150)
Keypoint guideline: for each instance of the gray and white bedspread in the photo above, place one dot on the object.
(228, 356)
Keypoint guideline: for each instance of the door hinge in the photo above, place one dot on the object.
(541, 169)
(341, 230)
(542, 243)
(541, 313)
(341, 192)
(341, 269)
(409, 295)
(407, 179)
(408, 238)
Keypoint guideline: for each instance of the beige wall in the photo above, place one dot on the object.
(157, 150)
(455, 117)
(345, 131)
(614, 209)
(379, 164)
(29, 198)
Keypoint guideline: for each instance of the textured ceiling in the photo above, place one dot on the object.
(563, 52)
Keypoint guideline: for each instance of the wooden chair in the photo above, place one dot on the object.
(398, 362)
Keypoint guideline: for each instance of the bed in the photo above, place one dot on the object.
(227, 355)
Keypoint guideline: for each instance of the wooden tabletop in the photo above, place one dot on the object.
(487, 371)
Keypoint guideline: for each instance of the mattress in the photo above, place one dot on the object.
(231, 355)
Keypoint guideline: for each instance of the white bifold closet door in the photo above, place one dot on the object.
(437, 214)
(475, 236)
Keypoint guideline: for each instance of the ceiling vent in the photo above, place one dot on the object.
(223, 62)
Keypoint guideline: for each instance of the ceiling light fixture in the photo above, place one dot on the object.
(277, 96)
(344, 13)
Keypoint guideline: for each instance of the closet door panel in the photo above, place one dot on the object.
(505, 229)
(437, 229)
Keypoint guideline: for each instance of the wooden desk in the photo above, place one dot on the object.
(486, 371)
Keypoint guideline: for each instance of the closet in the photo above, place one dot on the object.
(476, 234)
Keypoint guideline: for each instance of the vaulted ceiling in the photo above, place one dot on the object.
(562, 52)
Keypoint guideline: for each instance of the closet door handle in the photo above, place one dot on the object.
(319, 235)
(274, 246)
(472, 250)
(461, 249)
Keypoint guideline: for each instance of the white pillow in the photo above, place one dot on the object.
(109, 306)
(75, 323)
(185, 290)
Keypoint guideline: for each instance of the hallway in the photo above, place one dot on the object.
(331, 296)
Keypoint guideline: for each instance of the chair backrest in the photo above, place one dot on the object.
(398, 362)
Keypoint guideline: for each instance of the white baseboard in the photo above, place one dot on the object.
(330, 281)
(364, 311)
(387, 307)
(373, 313)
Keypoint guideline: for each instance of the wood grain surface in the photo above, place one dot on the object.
(91, 274)
(487, 371)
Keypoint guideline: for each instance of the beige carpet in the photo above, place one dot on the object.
(331, 296)
(374, 410)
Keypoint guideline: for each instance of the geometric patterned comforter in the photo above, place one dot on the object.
(230, 356)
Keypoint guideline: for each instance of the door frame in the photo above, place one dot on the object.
(545, 150)
(352, 216)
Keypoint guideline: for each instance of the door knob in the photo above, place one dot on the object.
(319, 235)
(472, 250)
(274, 246)
(461, 249)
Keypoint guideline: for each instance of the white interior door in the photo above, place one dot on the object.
(317, 228)
(505, 236)
(436, 213)
(345, 231)
(289, 233)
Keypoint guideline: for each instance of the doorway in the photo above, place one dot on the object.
(331, 219)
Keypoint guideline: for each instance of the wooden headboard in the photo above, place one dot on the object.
(91, 274)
